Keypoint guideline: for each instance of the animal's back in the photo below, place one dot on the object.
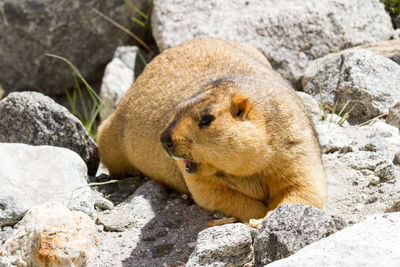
(134, 129)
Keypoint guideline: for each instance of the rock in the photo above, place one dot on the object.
(389, 49)
(118, 78)
(2, 93)
(34, 119)
(393, 117)
(333, 137)
(289, 33)
(226, 245)
(139, 208)
(32, 175)
(381, 129)
(386, 172)
(396, 21)
(310, 104)
(288, 229)
(371, 83)
(396, 159)
(4, 262)
(30, 29)
(355, 188)
(376, 240)
(52, 235)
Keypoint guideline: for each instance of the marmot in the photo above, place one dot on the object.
(240, 140)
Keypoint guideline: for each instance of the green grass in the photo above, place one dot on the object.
(392, 6)
(88, 118)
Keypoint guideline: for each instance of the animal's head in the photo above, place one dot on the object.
(219, 127)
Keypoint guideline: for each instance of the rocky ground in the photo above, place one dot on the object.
(348, 52)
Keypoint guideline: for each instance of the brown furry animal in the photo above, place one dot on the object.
(241, 140)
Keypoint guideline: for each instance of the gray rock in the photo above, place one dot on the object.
(34, 119)
(389, 49)
(117, 79)
(30, 29)
(393, 117)
(31, 175)
(138, 209)
(289, 33)
(376, 241)
(52, 235)
(226, 245)
(371, 81)
(333, 137)
(288, 229)
(386, 172)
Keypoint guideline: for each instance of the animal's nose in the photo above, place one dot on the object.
(167, 142)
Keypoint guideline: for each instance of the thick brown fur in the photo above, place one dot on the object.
(260, 150)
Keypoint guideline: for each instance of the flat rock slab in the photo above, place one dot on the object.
(31, 175)
(289, 33)
(34, 119)
(376, 241)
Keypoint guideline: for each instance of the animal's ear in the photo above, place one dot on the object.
(240, 106)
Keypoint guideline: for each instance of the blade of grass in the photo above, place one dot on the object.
(141, 57)
(134, 36)
(96, 184)
(137, 10)
(139, 22)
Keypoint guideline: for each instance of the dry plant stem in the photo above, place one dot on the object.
(377, 117)
(134, 36)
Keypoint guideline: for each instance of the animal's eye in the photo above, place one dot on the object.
(206, 120)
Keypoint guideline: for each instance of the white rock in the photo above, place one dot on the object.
(31, 175)
(117, 79)
(374, 242)
(333, 137)
(380, 128)
(53, 236)
(290, 33)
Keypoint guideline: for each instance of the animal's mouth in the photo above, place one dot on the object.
(190, 166)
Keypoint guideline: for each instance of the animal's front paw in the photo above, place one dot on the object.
(254, 223)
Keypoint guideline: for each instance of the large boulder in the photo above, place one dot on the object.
(289, 228)
(32, 175)
(376, 241)
(71, 29)
(289, 33)
(51, 235)
(370, 82)
(34, 119)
